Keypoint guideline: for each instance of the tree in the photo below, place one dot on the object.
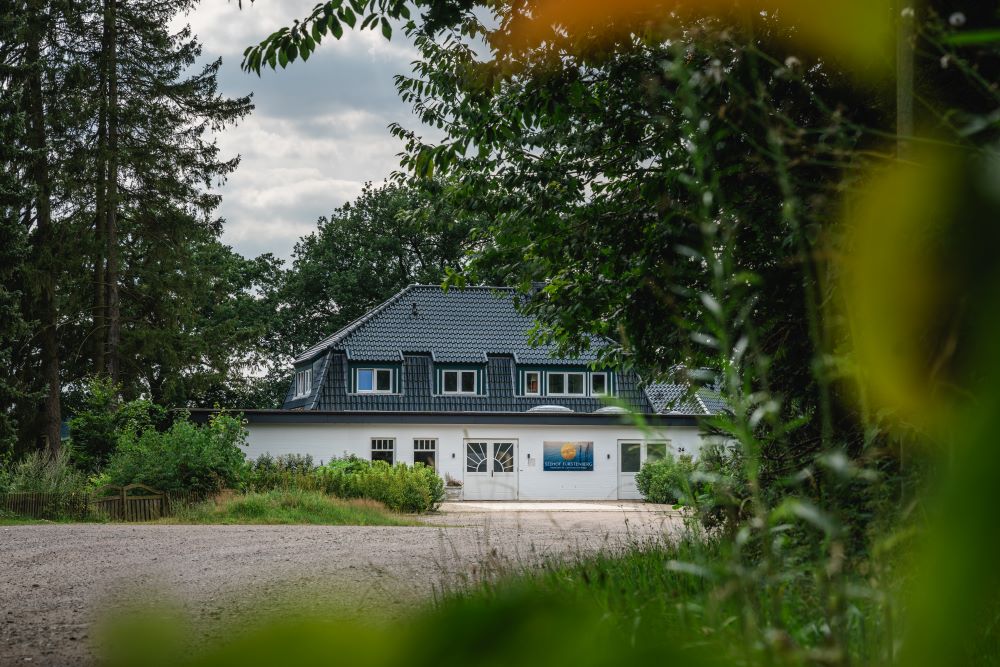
(37, 81)
(363, 253)
(107, 164)
(150, 143)
(12, 251)
(660, 170)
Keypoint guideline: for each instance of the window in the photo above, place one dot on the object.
(566, 384)
(303, 382)
(656, 451)
(374, 380)
(532, 383)
(459, 382)
(598, 384)
(425, 451)
(384, 449)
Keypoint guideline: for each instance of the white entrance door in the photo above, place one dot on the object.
(489, 470)
(631, 457)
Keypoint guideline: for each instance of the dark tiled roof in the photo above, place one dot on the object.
(423, 325)
(417, 394)
(714, 403)
(460, 325)
(678, 399)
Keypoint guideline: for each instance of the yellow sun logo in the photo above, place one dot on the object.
(568, 451)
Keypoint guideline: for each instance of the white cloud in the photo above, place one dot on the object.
(319, 128)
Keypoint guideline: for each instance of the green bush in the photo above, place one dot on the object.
(40, 472)
(290, 471)
(96, 425)
(186, 458)
(400, 487)
(668, 480)
(288, 506)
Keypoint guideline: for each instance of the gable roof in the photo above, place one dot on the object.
(454, 326)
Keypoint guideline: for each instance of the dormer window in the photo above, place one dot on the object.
(533, 383)
(459, 382)
(566, 384)
(303, 383)
(374, 380)
(598, 384)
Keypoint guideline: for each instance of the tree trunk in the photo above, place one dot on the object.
(98, 315)
(111, 219)
(44, 240)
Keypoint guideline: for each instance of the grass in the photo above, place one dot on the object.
(288, 507)
(10, 519)
(628, 606)
(686, 594)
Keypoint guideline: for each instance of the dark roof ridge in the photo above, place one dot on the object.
(351, 327)
(489, 287)
(357, 324)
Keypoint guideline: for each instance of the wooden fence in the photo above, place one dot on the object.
(134, 502)
(127, 506)
(45, 505)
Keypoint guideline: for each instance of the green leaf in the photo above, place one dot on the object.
(347, 16)
(335, 27)
(283, 58)
(386, 28)
(291, 52)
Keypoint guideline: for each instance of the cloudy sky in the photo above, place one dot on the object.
(319, 130)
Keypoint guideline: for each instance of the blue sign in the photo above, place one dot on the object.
(567, 455)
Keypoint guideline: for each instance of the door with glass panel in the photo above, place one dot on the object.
(632, 455)
(490, 470)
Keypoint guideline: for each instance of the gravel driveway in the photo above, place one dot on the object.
(55, 580)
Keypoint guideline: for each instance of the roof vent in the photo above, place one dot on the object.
(611, 410)
(550, 408)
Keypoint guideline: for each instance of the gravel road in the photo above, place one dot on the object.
(56, 580)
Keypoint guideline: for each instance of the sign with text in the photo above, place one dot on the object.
(567, 455)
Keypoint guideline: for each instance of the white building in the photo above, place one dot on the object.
(449, 379)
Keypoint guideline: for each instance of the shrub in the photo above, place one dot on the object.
(723, 490)
(289, 506)
(95, 427)
(185, 458)
(290, 471)
(400, 487)
(40, 472)
(667, 480)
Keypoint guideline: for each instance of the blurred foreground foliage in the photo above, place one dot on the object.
(712, 194)
(519, 625)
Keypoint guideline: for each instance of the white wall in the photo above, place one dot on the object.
(326, 441)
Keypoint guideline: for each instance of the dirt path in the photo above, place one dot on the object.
(56, 580)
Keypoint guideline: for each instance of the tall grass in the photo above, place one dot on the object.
(41, 472)
(290, 506)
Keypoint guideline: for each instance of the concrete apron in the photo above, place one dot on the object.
(635, 507)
